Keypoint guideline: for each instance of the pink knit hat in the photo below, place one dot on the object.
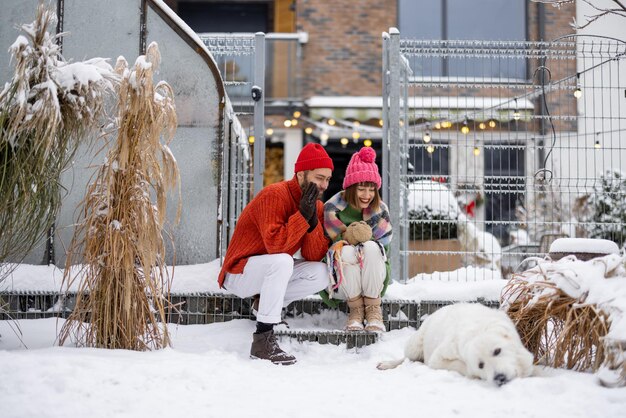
(362, 167)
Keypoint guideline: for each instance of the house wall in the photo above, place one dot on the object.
(343, 55)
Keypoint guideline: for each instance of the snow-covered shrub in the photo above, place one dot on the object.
(120, 236)
(607, 203)
(47, 110)
(427, 223)
(432, 211)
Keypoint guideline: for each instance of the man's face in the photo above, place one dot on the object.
(320, 177)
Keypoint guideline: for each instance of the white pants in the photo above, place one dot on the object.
(368, 280)
(280, 280)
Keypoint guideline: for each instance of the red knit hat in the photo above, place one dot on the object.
(311, 157)
(362, 167)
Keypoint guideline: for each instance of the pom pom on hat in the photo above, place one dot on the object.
(367, 154)
(362, 168)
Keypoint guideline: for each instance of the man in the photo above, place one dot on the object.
(283, 219)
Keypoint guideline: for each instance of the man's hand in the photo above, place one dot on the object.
(308, 205)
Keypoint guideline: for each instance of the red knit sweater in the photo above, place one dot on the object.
(272, 224)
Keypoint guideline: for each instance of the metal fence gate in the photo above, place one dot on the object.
(241, 60)
(491, 150)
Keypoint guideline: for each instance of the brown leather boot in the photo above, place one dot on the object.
(265, 347)
(356, 315)
(373, 315)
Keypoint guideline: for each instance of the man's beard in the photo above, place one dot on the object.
(305, 184)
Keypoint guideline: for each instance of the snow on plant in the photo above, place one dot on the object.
(432, 211)
(47, 109)
(607, 203)
(124, 285)
(572, 314)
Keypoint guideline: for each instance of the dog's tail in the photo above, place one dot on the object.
(391, 364)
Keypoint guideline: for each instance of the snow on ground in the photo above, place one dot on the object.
(207, 372)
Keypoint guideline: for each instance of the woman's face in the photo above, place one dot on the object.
(365, 194)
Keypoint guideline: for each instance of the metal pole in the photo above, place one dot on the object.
(259, 111)
(393, 132)
(385, 118)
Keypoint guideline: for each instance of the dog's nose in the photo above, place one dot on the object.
(500, 379)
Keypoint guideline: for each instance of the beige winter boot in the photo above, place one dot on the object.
(373, 315)
(356, 315)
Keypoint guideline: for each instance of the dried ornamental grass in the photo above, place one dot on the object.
(558, 329)
(124, 287)
(46, 110)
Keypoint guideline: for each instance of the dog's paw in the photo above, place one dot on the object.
(392, 364)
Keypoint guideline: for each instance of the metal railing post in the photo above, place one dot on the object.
(385, 118)
(393, 135)
(259, 111)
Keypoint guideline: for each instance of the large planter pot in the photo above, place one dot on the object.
(431, 262)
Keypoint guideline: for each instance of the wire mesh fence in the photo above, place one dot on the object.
(240, 59)
(509, 145)
(208, 308)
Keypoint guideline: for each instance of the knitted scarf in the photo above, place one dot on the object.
(381, 233)
(378, 220)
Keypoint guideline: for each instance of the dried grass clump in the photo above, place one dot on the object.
(559, 330)
(124, 287)
(47, 109)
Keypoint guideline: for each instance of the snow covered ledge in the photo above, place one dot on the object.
(582, 248)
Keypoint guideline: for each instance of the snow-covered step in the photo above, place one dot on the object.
(352, 339)
(206, 308)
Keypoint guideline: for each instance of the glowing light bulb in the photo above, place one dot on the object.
(578, 93)
(308, 130)
(516, 115)
(476, 151)
(294, 122)
(367, 142)
(492, 123)
(297, 114)
(356, 135)
(251, 139)
(482, 125)
(344, 141)
(437, 125)
(430, 149)
(324, 136)
(356, 123)
(331, 122)
(269, 132)
(380, 122)
(597, 144)
(287, 123)
(426, 137)
(465, 129)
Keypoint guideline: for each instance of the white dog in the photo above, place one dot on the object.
(471, 339)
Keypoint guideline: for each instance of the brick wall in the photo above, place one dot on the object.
(344, 52)
(557, 23)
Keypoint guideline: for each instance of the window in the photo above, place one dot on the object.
(482, 20)
(225, 17)
(429, 161)
(504, 187)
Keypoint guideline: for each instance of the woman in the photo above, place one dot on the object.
(359, 273)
